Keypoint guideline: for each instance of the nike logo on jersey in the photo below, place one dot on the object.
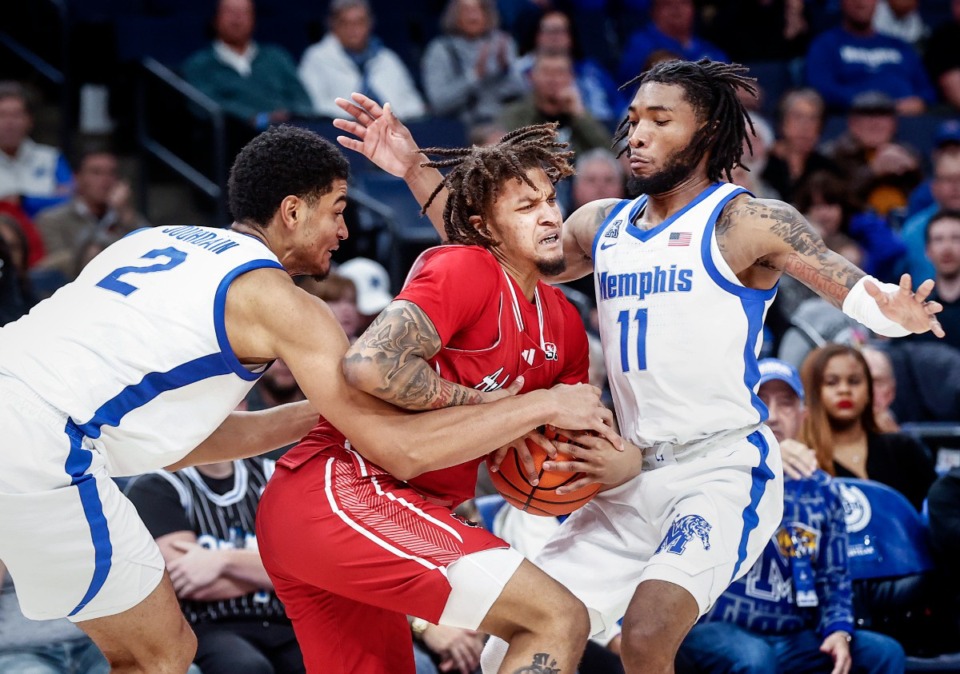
(641, 284)
(605, 245)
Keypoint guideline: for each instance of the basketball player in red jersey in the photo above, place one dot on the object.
(352, 549)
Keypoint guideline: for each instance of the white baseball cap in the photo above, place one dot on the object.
(372, 282)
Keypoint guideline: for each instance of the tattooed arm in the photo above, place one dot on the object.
(389, 361)
(579, 231)
(763, 237)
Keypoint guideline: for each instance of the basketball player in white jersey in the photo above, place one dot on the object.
(684, 276)
(137, 365)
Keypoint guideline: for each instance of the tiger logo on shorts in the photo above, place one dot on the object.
(682, 531)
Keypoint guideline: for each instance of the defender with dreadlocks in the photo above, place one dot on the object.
(367, 549)
(684, 275)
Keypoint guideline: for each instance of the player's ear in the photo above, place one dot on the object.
(289, 209)
(476, 221)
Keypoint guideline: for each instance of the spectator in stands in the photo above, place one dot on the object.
(853, 58)
(599, 176)
(597, 89)
(340, 294)
(102, 202)
(556, 98)
(945, 189)
(793, 610)
(884, 387)
(468, 72)
(671, 28)
(947, 136)
(944, 515)
(779, 31)
(203, 520)
(901, 19)
(42, 647)
(33, 175)
(842, 428)
(943, 251)
(755, 155)
(256, 83)
(882, 172)
(794, 156)
(942, 58)
(826, 201)
(373, 287)
(16, 295)
(350, 58)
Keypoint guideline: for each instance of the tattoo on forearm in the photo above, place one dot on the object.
(398, 344)
(810, 261)
(543, 663)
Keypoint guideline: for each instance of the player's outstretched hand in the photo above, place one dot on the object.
(523, 453)
(378, 135)
(597, 459)
(578, 406)
(909, 309)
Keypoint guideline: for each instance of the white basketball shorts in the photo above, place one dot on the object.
(73, 543)
(699, 524)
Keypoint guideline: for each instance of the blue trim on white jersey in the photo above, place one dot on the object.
(606, 223)
(219, 310)
(647, 234)
(761, 474)
(756, 294)
(751, 369)
(78, 461)
(151, 386)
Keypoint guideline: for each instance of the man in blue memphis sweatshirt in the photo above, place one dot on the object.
(792, 612)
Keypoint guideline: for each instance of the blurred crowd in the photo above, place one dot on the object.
(856, 123)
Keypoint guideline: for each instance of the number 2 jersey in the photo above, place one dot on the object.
(491, 335)
(135, 351)
(680, 333)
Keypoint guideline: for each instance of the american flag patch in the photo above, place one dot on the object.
(679, 239)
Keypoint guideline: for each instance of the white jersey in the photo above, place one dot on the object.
(680, 333)
(135, 351)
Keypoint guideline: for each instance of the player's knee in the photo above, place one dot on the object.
(648, 646)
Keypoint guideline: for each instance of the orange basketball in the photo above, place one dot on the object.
(511, 481)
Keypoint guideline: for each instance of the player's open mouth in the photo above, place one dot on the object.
(549, 240)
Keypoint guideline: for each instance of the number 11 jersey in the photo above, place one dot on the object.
(680, 333)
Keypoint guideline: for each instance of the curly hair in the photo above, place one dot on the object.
(479, 171)
(711, 88)
(282, 161)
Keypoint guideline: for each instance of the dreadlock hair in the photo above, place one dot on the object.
(711, 88)
(479, 171)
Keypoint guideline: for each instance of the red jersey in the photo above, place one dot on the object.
(491, 335)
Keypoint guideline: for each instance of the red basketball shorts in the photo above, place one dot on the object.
(352, 551)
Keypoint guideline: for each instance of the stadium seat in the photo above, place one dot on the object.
(168, 39)
(886, 536)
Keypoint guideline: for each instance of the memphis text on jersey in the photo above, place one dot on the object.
(641, 284)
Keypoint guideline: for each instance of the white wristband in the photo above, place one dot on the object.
(860, 306)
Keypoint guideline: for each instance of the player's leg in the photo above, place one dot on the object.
(597, 553)
(340, 537)
(658, 618)
(717, 514)
(543, 623)
(150, 637)
(75, 546)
